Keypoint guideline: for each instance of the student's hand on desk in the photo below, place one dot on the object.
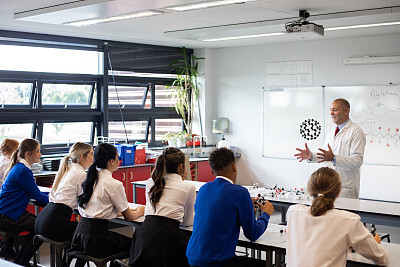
(268, 208)
(139, 210)
(377, 238)
(304, 153)
(325, 155)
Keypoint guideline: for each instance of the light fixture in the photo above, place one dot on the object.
(87, 22)
(244, 37)
(363, 26)
(207, 4)
(282, 33)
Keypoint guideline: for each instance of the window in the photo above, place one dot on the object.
(55, 60)
(15, 93)
(66, 94)
(135, 130)
(18, 131)
(164, 96)
(164, 126)
(127, 95)
(66, 132)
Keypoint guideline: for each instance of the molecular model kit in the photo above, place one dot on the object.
(277, 192)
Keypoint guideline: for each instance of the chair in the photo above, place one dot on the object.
(122, 262)
(56, 251)
(5, 236)
(99, 262)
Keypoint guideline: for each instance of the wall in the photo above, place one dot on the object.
(233, 89)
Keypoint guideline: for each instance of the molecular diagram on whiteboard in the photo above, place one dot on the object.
(310, 129)
(377, 123)
(387, 136)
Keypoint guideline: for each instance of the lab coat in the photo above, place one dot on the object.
(348, 147)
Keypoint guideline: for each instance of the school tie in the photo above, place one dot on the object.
(337, 130)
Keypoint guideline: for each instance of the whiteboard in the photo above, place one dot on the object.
(376, 109)
(285, 111)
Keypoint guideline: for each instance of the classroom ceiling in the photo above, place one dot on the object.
(187, 27)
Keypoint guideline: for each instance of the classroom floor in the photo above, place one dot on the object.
(275, 218)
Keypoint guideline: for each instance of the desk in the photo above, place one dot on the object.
(370, 211)
(272, 241)
(142, 184)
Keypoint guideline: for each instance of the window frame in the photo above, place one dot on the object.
(68, 82)
(152, 113)
(38, 114)
(32, 96)
(127, 106)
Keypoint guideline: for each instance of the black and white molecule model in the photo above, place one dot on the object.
(260, 201)
(310, 129)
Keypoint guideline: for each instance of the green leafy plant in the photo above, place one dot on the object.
(185, 88)
(169, 136)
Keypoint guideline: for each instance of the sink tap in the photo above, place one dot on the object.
(194, 145)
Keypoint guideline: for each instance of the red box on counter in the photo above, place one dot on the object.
(140, 156)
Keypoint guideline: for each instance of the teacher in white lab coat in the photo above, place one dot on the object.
(343, 149)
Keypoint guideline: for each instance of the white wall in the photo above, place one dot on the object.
(233, 89)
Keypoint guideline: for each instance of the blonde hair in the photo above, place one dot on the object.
(324, 186)
(8, 146)
(27, 145)
(75, 153)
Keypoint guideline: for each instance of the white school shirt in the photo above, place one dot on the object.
(70, 187)
(4, 165)
(177, 199)
(348, 147)
(107, 200)
(323, 241)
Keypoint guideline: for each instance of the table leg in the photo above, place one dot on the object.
(134, 194)
(283, 216)
(278, 258)
(268, 258)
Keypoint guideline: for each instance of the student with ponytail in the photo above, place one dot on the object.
(64, 194)
(7, 148)
(103, 198)
(321, 235)
(18, 188)
(169, 203)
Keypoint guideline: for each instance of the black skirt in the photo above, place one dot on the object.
(92, 238)
(158, 242)
(54, 222)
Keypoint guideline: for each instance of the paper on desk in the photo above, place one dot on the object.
(275, 228)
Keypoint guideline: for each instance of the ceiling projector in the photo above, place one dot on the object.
(304, 29)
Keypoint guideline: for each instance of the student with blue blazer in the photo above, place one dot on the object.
(18, 188)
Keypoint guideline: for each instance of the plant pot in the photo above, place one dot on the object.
(172, 142)
(181, 142)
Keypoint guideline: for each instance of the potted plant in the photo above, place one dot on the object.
(175, 139)
(171, 138)
(181, 139)
(185, 88)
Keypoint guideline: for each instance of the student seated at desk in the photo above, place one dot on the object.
(63, 196)
(321, 235)
(103, 199)
(169, 202)
(221, 208)
(18, 188)
(7, 148)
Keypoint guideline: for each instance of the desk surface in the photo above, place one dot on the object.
(272, 238)
(196, 183)
(354, 205)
